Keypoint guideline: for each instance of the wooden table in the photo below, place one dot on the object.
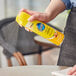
(30, 70)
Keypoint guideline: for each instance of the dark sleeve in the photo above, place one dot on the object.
(67, 4)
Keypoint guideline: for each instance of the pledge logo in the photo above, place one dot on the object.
(40, 26)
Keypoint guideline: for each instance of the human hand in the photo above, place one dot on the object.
(72, 71)
(44, 17)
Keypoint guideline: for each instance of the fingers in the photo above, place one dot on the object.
(34, 17)
(72, 71)
(40, 17)
(28, 11)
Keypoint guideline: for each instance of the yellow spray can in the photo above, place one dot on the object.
(40, 28)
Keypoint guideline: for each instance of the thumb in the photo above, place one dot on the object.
(35, 17)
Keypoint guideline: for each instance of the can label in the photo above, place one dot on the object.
(40, 28)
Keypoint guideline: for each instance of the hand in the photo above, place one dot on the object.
(72, 71)
(44, 17)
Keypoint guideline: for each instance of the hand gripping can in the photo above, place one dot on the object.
(40, 28)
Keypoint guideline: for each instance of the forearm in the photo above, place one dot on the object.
(55, 7)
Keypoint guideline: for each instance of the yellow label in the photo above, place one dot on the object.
(40, 28)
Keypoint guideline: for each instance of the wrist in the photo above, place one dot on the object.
(49, 16)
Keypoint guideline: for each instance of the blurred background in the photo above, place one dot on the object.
(10, 8)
